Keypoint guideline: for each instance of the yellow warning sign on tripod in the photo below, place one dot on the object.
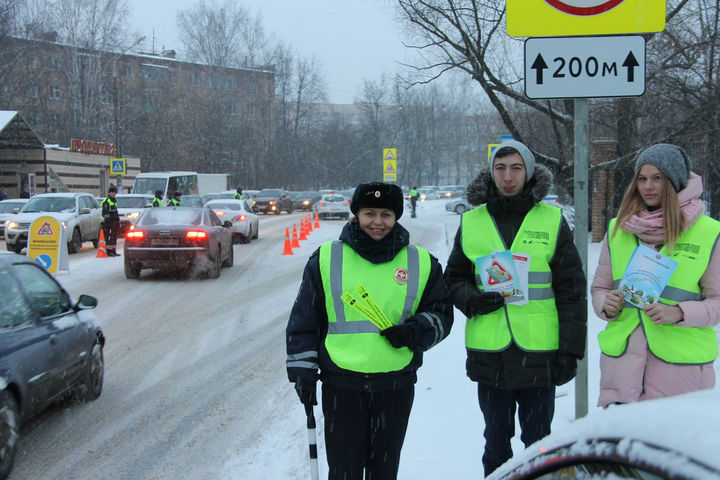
(389, 165)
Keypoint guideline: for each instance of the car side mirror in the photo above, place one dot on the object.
(227, 224)
(84, 211)
(86, 302)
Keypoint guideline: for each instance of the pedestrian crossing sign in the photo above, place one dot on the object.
(389, 165)
(117, 166)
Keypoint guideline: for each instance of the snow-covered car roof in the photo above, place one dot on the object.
(674, 434)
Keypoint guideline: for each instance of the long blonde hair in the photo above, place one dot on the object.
(673, 218)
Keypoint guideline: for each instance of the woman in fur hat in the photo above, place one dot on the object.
(368, 307)
(668, 346)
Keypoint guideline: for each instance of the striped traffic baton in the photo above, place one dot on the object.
(312, 440)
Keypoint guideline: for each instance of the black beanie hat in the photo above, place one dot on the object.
(377, 195)
(112, 190)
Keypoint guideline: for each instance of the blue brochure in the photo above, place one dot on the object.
(646, 275)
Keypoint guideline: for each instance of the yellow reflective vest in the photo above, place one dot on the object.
(533, 326)
(671, 343)
(353, 341)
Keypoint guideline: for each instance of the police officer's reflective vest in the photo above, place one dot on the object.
(413, 193)
(533, 326)
(238, 196)
(672, 343)
(174, 202)
(353, 342)
(156, 202)
(112, 204)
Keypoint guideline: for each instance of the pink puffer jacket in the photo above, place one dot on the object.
(638, 374)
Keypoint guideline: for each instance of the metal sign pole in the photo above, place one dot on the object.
(581, 148)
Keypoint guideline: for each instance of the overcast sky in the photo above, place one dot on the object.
(354, 39)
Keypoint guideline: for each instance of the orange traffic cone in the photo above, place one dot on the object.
(303, 230)
(288, 248)
(101, 251)
(295, 243)
(308, 222)
(317, 220)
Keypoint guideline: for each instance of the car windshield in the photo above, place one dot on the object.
(171, 216)
(334, 198)
(192, 201)
(131, 202)
(225, 206)
(50, 204)
(270, 193)
(8, 207)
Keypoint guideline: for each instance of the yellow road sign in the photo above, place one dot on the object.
(389, 165)
(556, 18)
(46, 242)
(491, 147)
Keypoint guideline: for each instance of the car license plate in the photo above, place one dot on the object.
(164, 242)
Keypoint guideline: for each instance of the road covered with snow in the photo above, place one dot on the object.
(195, 383)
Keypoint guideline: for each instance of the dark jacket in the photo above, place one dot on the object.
(514, 368)
(308, 323)
(109, 211)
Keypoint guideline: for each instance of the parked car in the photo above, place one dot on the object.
(178, 238)
(79, 214)
(229, 194)
(305, 200)
(347, 193)
(459, 206)
(130, 206)
(333, 205)
(667, 438)
(272, 201)
(245, 224)
(8, 208)
(50, 346)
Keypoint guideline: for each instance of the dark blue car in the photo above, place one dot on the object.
(50, 346)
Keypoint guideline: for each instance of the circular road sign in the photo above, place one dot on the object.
(584, 7)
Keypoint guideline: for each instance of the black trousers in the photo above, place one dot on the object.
(413, 203)
(535, 406)
(364, 432)
(111, 231)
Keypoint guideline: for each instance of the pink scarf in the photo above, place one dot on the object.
(648, 226)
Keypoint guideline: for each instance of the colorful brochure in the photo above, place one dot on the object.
(498, 273)
(646, 275)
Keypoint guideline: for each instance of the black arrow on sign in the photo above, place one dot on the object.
(539, 65)
(630, 63)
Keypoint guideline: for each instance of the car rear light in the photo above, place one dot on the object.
(347, 203)
(241, 218)
(196, 235)
(322, 204)
(135, 235)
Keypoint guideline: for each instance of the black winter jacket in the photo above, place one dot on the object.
(109, 212)
(308, 323)
(513, 367)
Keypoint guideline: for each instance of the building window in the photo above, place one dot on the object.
(229, 83)
(54, 62)
(106, 97)
(210, 81)
(32, 92)
(128, 73)
(55, 93)
(251, 109)
(172, 77)
(193, 79)
(230, 108)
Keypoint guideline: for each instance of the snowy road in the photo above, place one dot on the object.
(195, 383)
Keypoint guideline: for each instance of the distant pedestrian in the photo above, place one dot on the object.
(667, 347)
(25, 193)
(111, 222)
(157, 201)
(413, 200)
(3, 195)
(238, 194)
(176, 201)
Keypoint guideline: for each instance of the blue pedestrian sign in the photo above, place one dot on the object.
(117, 166)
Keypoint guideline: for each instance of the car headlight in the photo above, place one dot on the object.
(272, 202)
(11, 225)
(133, 214)
(64, 224)
(306, 202)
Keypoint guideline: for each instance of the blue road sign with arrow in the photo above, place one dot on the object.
(578, 67)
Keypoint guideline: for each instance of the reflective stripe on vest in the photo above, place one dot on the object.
(533, 326)
(671, 343)
(353, 342)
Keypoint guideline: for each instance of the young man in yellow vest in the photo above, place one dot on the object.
(368, 307)
(517, 353)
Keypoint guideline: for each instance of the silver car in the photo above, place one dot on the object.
(7, 211)
(459, 206)
(245, 224)
(333, 205)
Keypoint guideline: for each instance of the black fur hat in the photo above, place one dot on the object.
(377, 195)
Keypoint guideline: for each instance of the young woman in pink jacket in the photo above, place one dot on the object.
(668, 347)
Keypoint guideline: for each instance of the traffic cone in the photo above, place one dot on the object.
(287, 250)
(308, 222)
(101, 251)
(303, 230)
(295, 243)
(317, 220)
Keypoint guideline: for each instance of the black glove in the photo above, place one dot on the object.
(399, 335)
(306, 393)
(566, 368)
(483, 303)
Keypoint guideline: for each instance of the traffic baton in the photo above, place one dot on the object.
(312, 441)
